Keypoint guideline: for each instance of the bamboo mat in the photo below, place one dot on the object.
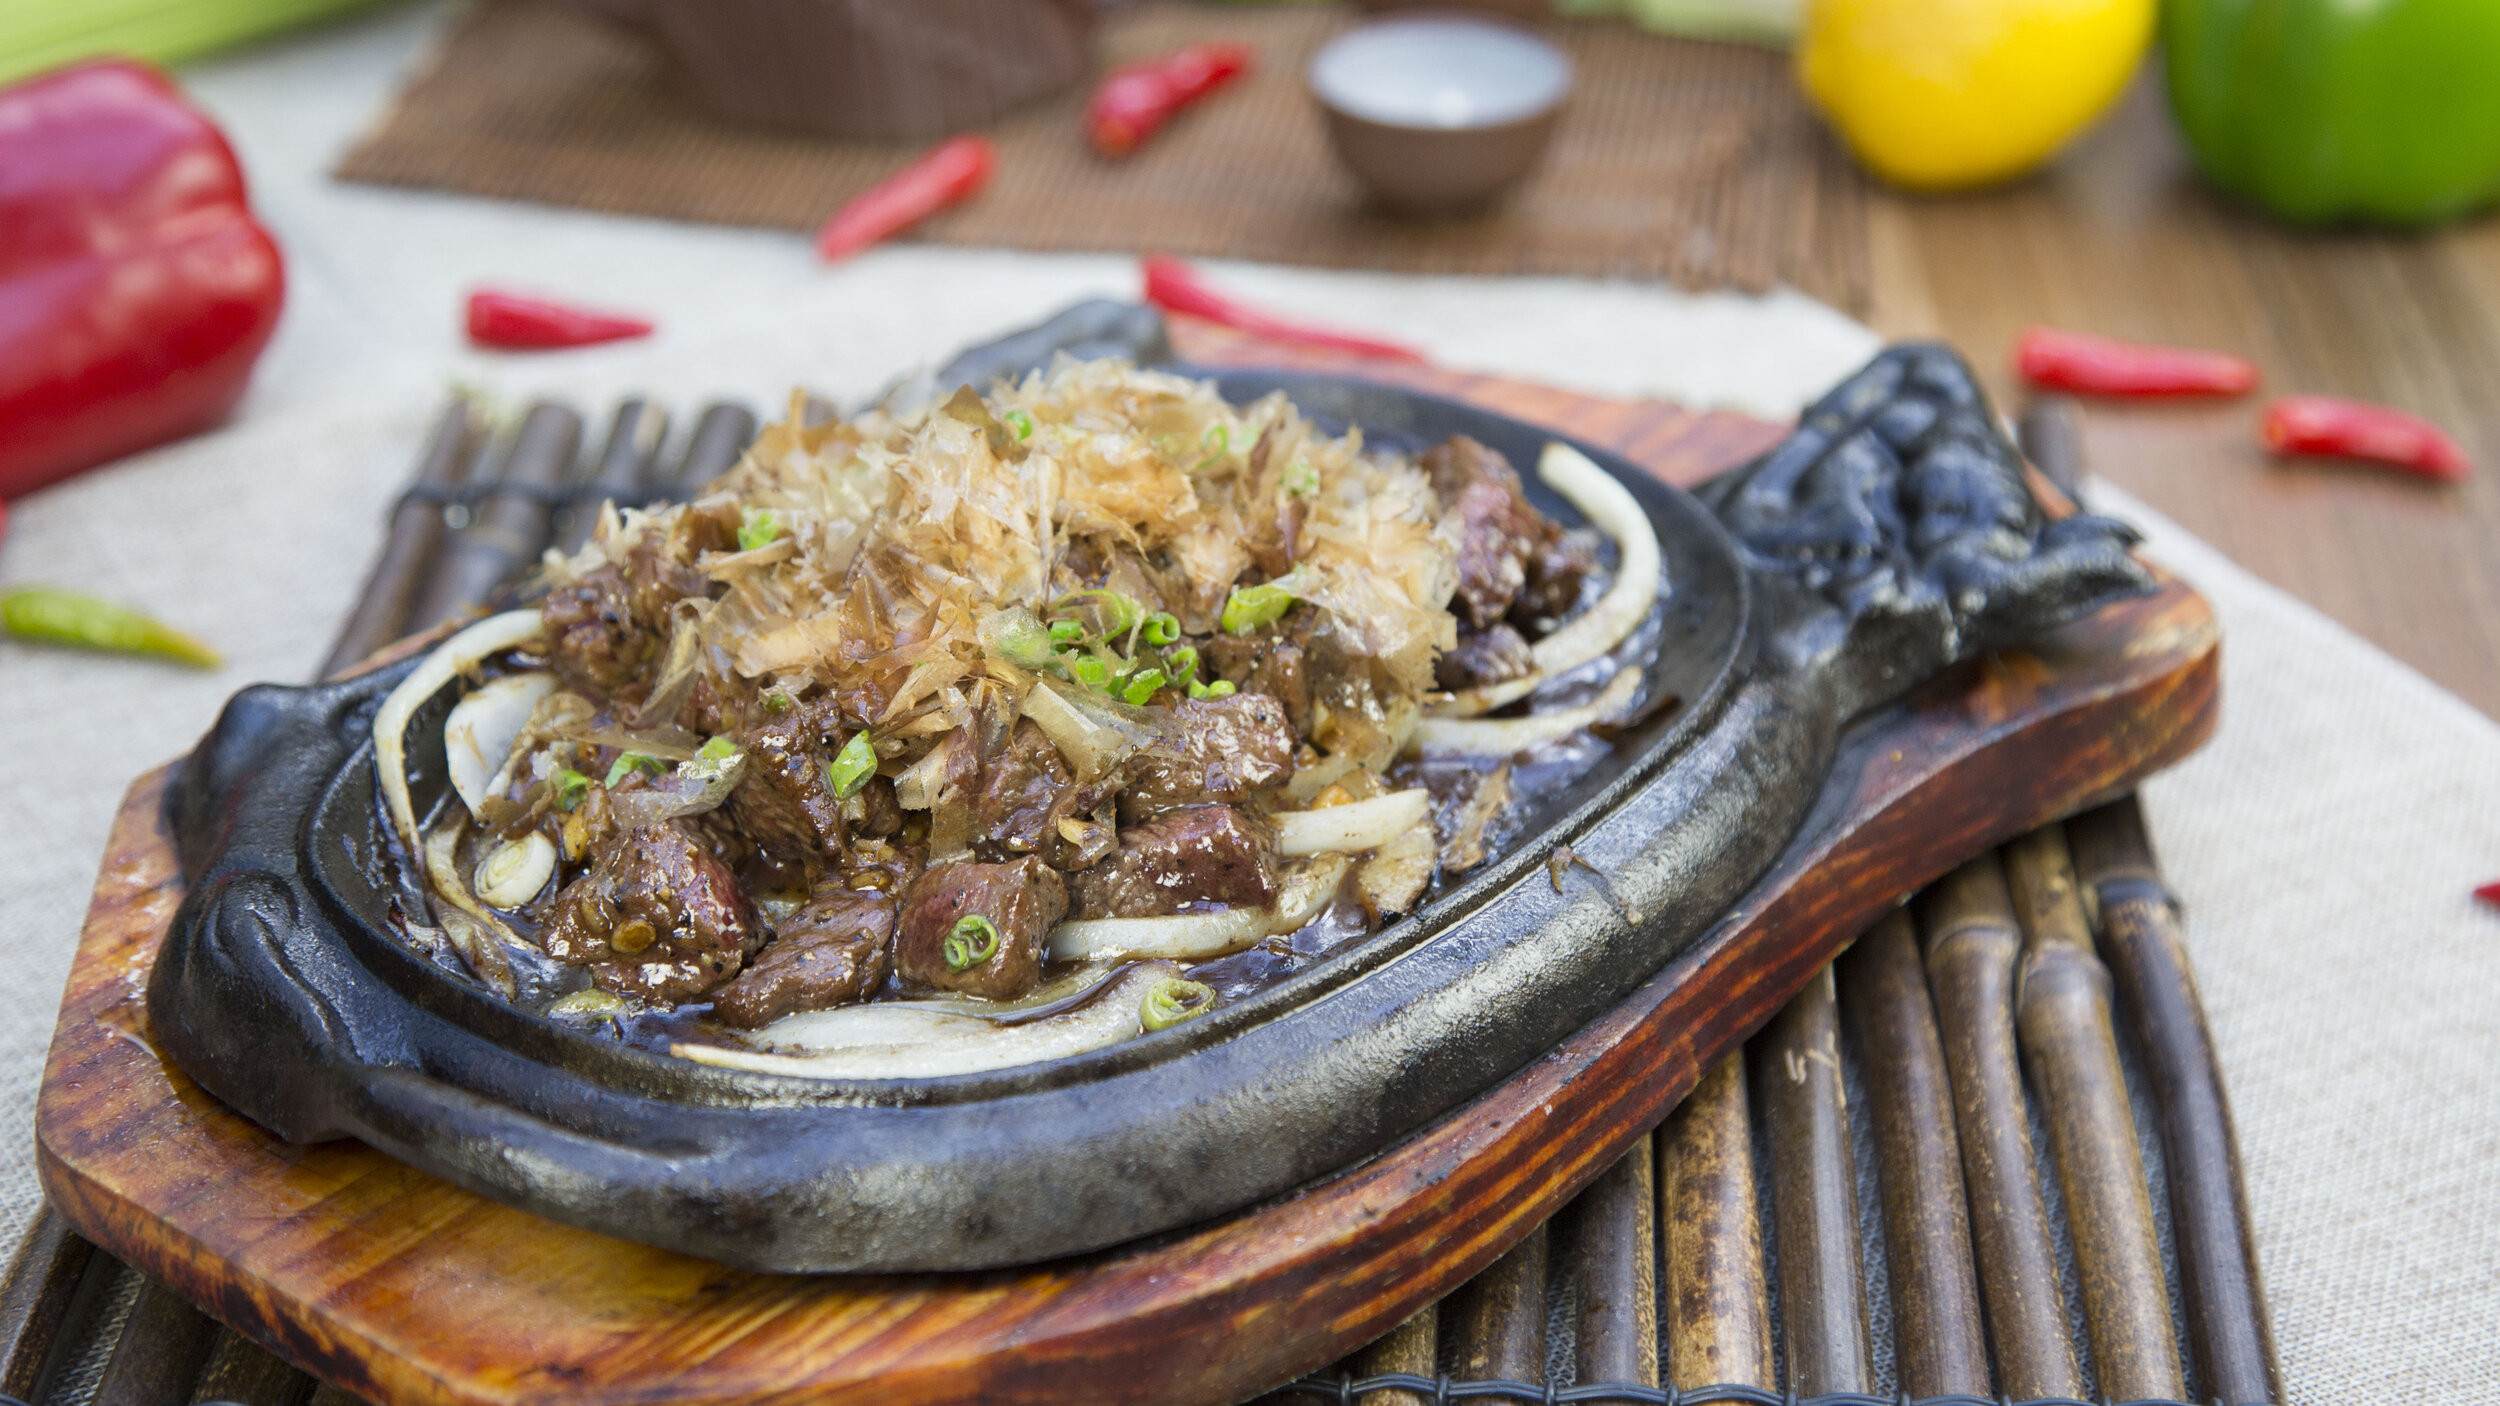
(1694, 162)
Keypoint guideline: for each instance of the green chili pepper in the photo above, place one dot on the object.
(852, 766)
(570, 787)
(1161, 628)
(1300, 479)
(1020, 423)
(1221, 688)
(629, 762)
(1254, 607)
(758, 529)
(973, 941)
(1174, 999)
(1142, 685)
(1182, 665)
(65, 617)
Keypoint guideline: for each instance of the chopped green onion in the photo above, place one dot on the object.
(1182, 665)
(973, 941)
(779, 702)
(719, 749)
(1015, 636)
(1114, 613)
(1174, 999)
(629, 762)
(570, 787)
(1020, 423)
(852, 766)
(1221, 688)
(1142, 685)
(758, 529)
(1066, 632)
(1217, 441)
(1162, 628)
(1090, 671)
(1300, 479)
(1254, 607)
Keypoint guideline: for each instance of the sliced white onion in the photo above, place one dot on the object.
(479, 935)
(1352, 827)
(1394, 878)
(513, 872)
(1614, 511)
(1199, 937)
(930, 1044)
(483, 640)
(1091, 744)
(479, 735)
(1501, 737)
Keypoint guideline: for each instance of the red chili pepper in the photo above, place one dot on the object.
(952, 172)
(2489, 893)
(1175, 287)
(136, 289)
(512, 322)
(1135, 101)
(2078, 361)
(2355, 429)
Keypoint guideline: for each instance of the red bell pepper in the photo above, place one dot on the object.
(2356, 429)
(136, 289)
(1176, 287)
(1134, 102)
(2077, 361)
(951, 172)
(512, 322)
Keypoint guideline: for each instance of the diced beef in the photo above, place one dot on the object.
(1026, 790)
(1556, 571)
(834, 950)
(1181, 861)
(1499, 528)
(1275, 662)
(659, 568)
(786, 804)
(1023, 900)
(593, 641)
(1210, 749)
(1495, 654)
(657, 919)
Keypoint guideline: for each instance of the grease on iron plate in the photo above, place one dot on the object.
(1034, 723)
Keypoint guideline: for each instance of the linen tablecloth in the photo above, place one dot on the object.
(2325, 844)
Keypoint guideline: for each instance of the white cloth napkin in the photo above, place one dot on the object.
(2325, 843)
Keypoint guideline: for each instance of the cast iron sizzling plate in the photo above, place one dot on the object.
(1890, 536)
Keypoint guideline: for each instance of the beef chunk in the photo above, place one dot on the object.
(1181, 859)
(1275, 662)
(1555, 573)
(1023, 900)
(834, 950)
(1026, 790)
(1492, 655)
(1499, 528)
(593, 641)
(1210, 749)
(657, 919)
(786, 804)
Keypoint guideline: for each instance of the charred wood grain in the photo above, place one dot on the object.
(1939, 1348)
(1496, 1321)
(1717, 1308)
(2070, 1050)
(2219, 1281)
(1613, 1234)
(1972, 942)
(1814, 1203)
(409, 543)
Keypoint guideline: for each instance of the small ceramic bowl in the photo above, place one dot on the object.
(1439, 113)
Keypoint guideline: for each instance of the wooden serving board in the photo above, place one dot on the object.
(403, 1288)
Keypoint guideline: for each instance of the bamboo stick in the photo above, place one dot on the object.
(163, 1344)
(1938, 1346)
(512, 525)
(1814, 1203)
(410, 542)
(240, 1372)
(721, 434)
(2218, 1272)
(623, 475)
(1717, 1307)
(1412, 1347)
(2071, 1052)
(1967, 927)
(1497, 1319)
(1613, 1230)
(42, 1301)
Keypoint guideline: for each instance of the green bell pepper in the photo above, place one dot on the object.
(2385, 110)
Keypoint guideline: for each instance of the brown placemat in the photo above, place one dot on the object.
(1689, 161)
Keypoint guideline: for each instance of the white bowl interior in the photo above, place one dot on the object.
(1440, 71)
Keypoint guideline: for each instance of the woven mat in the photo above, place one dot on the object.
(1693, 162)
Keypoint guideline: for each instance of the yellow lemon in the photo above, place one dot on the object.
(1944, 94)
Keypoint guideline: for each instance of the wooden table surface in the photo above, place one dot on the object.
(2120, 237)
